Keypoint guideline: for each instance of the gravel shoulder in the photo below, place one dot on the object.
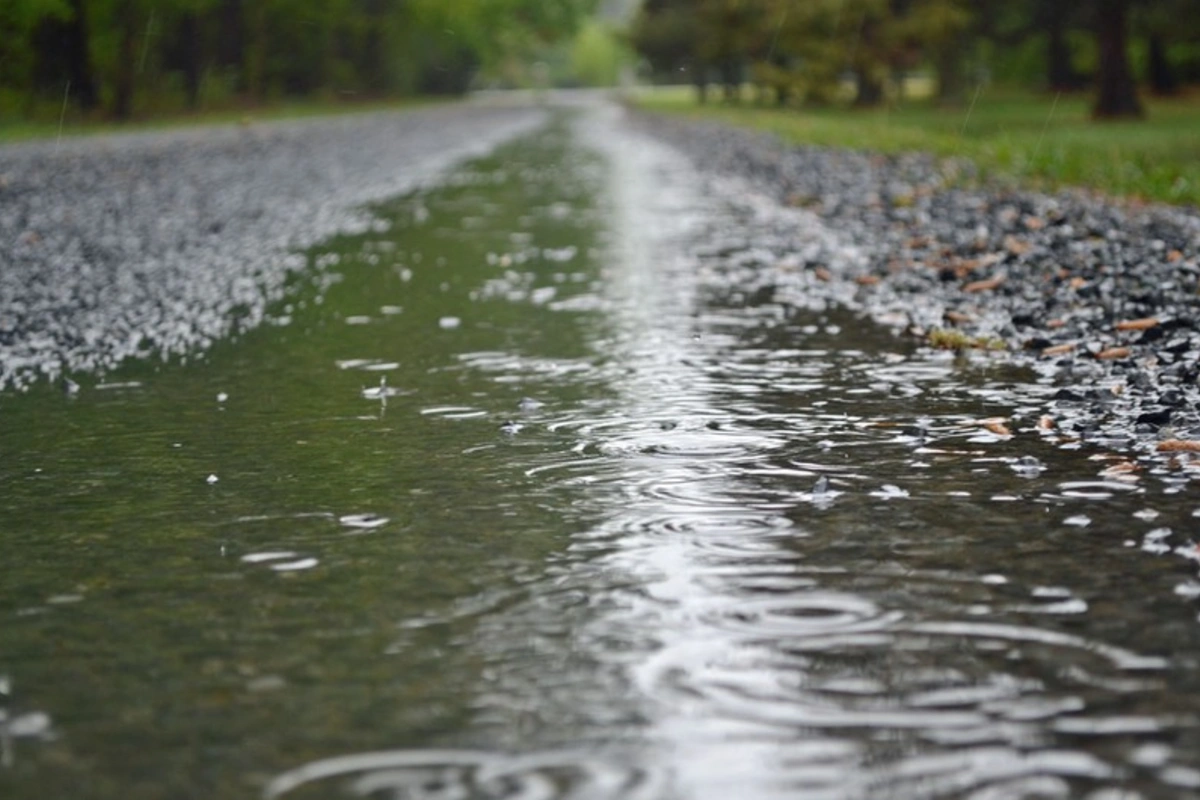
(1100, 299)
(158, 244)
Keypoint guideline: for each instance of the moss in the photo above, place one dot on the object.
(950, 339)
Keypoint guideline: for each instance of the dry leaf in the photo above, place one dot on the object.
(984, 285)
(823, 274)
(1178, 446)
(1077, 282)
(1112, 353)
(1034, 223)
(1054, 324)
(957, 317)
(1016, 246)
(867, 280)
(1174, 256)
(1058, 349)
(996, 425)
(1137, 324)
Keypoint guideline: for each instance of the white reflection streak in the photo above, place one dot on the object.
(657, 203)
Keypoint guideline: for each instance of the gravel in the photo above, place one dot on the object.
(162, 243)
(159, 244)
(1101, 299)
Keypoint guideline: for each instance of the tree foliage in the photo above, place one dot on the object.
(126, 54)
(812, 49)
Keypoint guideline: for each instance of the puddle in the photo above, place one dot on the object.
(542, 492)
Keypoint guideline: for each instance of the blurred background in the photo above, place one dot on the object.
(1013, 84)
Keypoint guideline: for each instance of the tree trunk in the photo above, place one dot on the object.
(1060, 73)
(700, 79)
(870, 89)
(1163, 80)
(190, 57)
(1117, 94)
(731, 81)
(79, 59)
(126, 53)
(948, 64)
(255, 50)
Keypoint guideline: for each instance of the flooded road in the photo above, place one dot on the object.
(540, 490)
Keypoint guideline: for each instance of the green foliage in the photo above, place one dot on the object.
(139, 56)
(597, 55)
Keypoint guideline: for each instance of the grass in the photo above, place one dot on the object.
(18, 130)
(1041, 141)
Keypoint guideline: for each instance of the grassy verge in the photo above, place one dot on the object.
(23, 130)
(1041, 141)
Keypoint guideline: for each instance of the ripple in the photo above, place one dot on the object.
(804, 614)
(480, 775)
(364, 522)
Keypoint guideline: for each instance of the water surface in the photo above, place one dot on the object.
(536, 490)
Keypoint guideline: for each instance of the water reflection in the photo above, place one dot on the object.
(775, 645)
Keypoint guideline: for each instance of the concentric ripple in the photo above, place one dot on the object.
(460, 774)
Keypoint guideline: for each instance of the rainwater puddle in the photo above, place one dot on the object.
(539, 491)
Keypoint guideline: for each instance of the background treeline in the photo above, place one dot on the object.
(807, 51)
(121, 57)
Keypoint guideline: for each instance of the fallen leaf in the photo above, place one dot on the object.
(1077, 282)
(957, 317)
(984, 285)
(1058, 349)
(1112, 353)
(867, 280)
(823, 274)
(1137, 324)
(1017, 247)
(1054, 324)
(996, 425)
(1178, 446)
(1034, 223)
(1174, 256)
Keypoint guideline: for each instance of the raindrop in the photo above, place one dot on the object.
(529, 404)
(1028, 467)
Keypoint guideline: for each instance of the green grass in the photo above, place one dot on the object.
(15, 129)
(1038, 140)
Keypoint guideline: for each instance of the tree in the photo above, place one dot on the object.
(1116, 91)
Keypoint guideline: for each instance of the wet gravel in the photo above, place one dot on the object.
(158, 244)
(1100, 299)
